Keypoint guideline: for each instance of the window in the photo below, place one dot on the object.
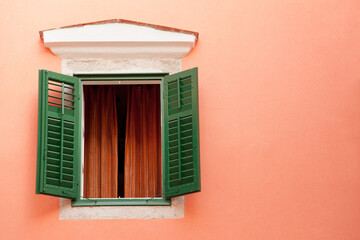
(60, 139)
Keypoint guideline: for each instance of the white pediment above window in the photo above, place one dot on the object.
(119, 38)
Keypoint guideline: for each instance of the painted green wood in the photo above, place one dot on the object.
(119, 76)
(58, 135)
(84, 77)
(83, 202)
(88, 77)
(184, 114)
(38, 165)
(181, 134)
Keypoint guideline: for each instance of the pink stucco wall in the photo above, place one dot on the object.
(279, 108)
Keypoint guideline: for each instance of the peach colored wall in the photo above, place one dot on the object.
(280, 118)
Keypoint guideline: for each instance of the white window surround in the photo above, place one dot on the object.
(119, 46)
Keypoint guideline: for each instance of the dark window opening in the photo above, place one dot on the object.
(122, 141)
(121, 107)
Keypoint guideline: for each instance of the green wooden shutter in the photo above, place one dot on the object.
(181, 133)
(58, 135)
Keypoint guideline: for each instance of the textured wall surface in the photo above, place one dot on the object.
(279, 118)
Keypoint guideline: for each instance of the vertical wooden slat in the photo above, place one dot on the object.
(62, 99)
(62, 131)
(178, 92)
(61, 148)
(179, 146)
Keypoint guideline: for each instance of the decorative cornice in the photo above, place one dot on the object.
(118, 38)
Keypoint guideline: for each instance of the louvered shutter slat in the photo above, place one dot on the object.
(182, 162)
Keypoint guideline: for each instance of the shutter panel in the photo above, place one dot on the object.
(59, 135)
(181, 133)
